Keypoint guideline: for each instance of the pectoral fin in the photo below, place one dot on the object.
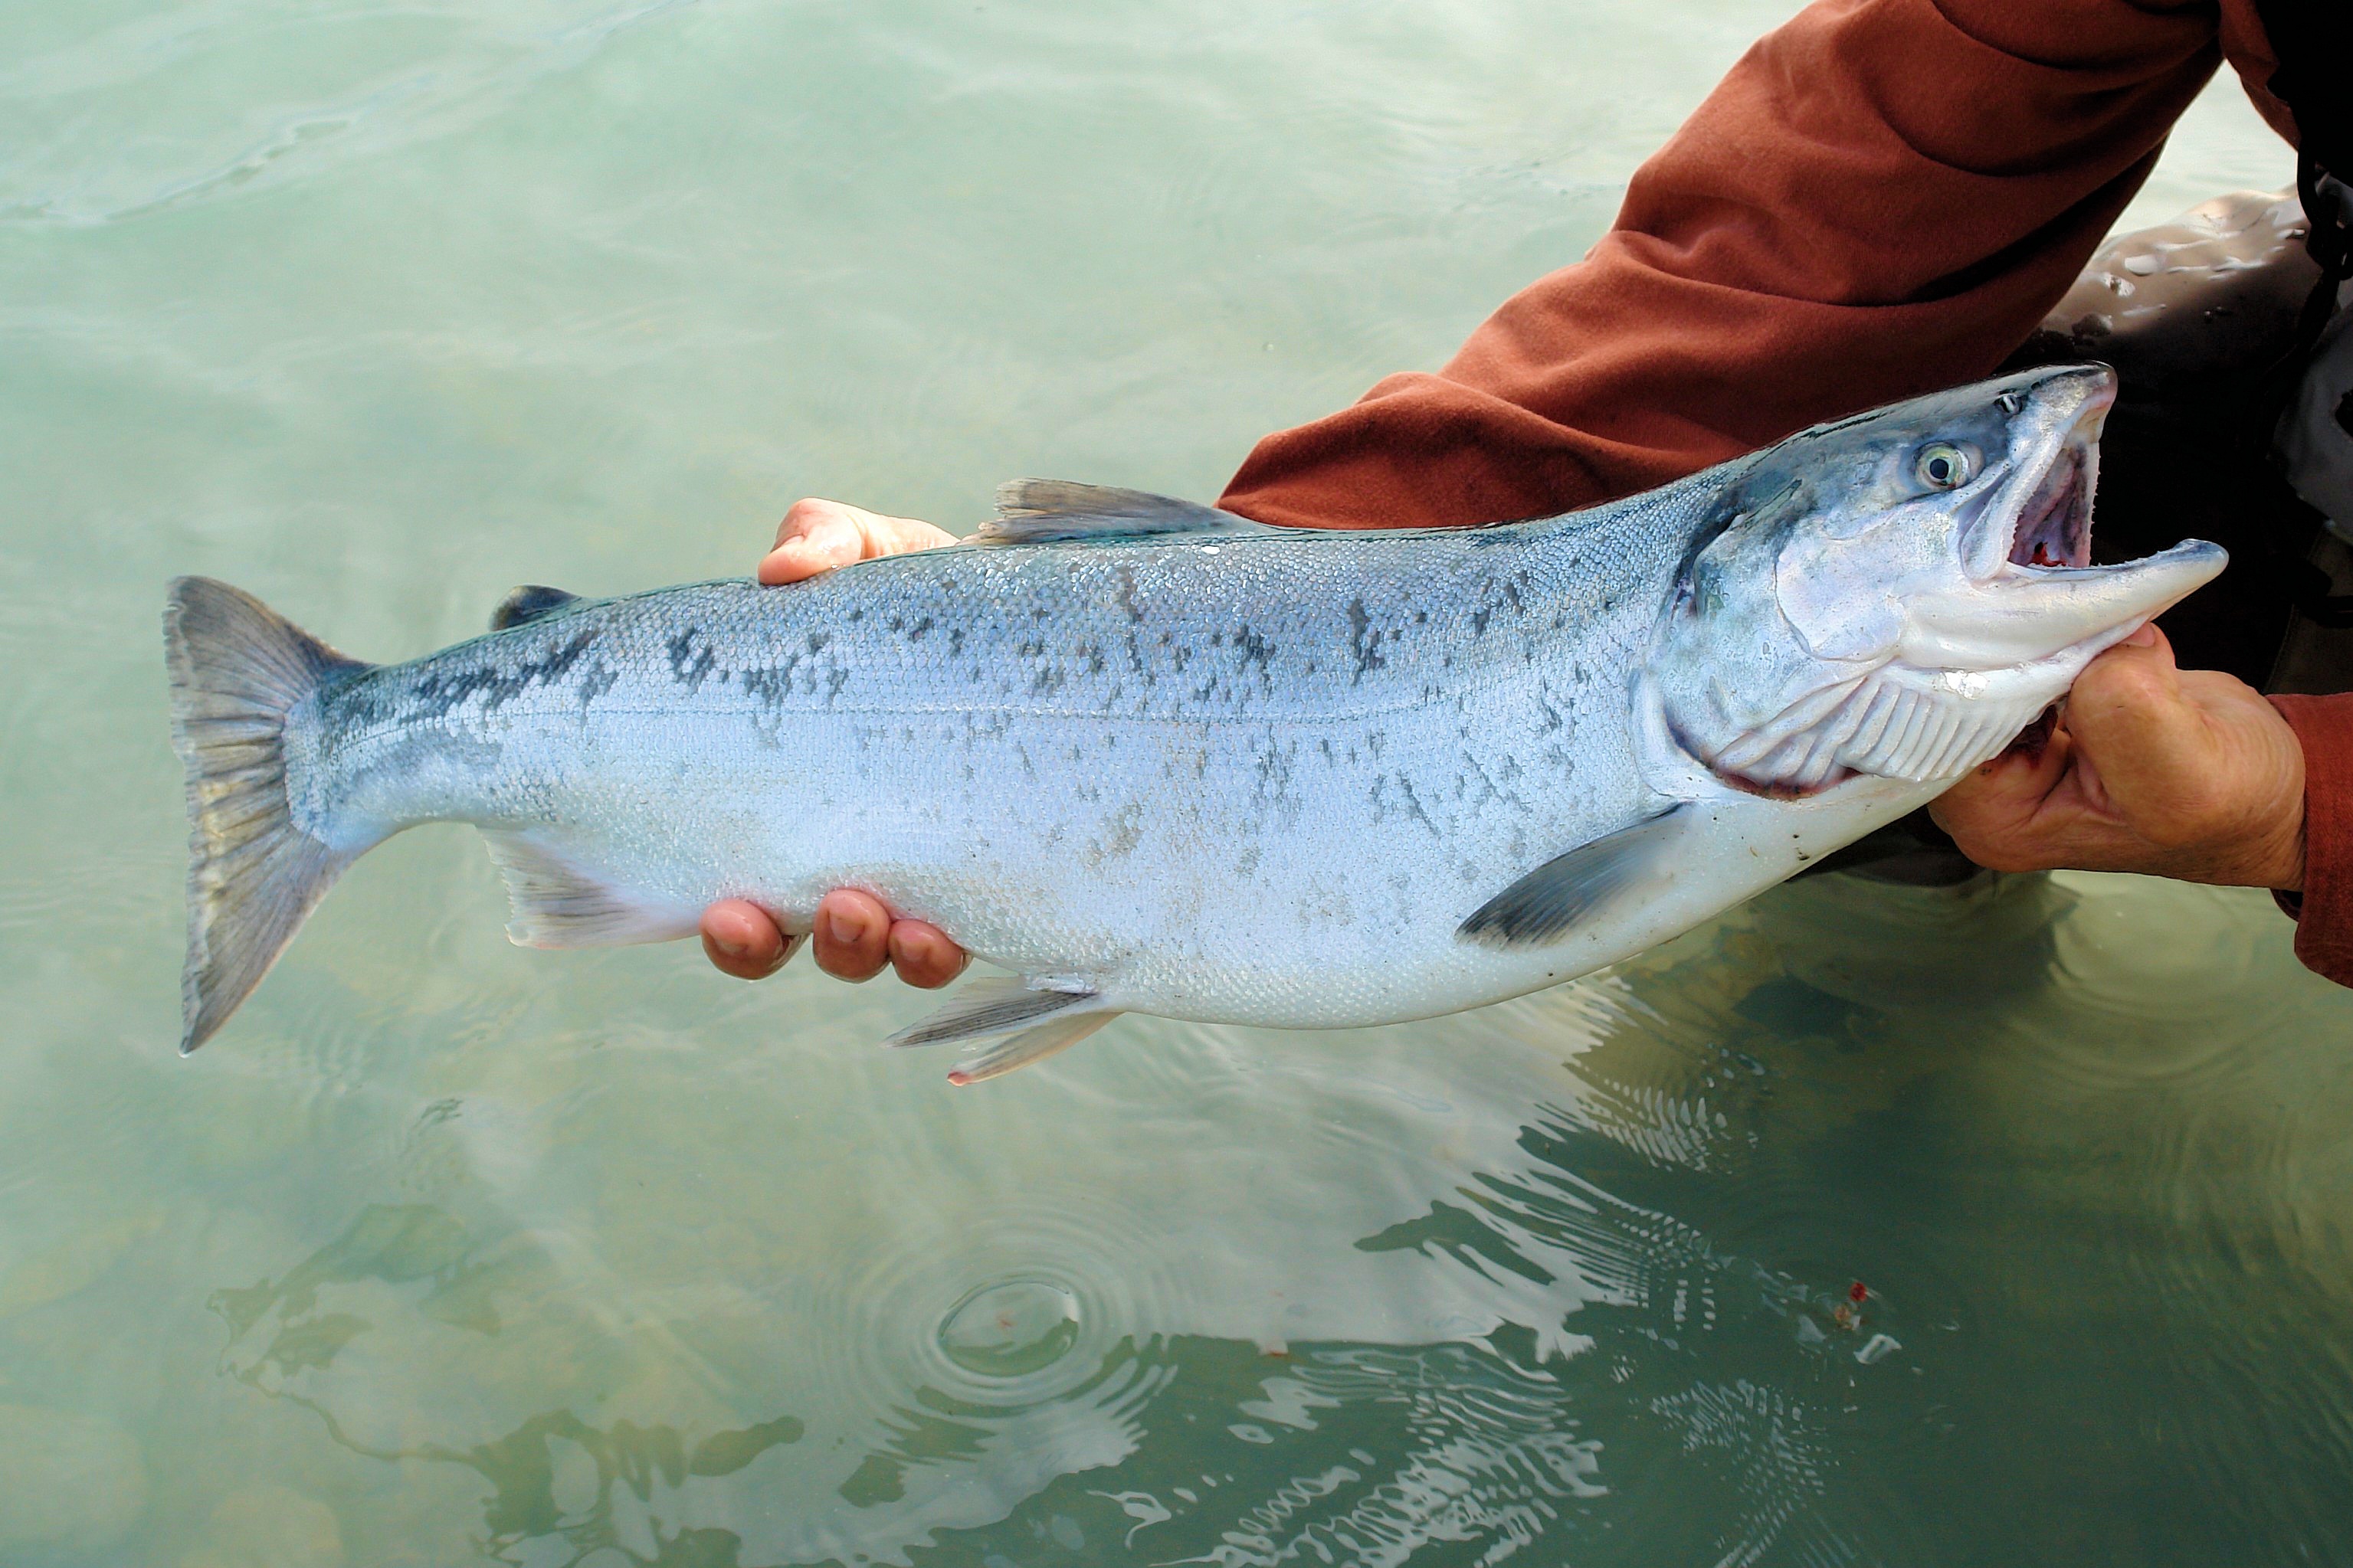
(1025, 1023)
(1551, 900)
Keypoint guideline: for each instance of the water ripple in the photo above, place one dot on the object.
(425, 72)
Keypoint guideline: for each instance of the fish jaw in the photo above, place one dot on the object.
(2029, 614)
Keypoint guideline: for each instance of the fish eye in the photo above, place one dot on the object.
(1942, 465)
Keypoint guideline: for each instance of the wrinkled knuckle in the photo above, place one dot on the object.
(2113, 682)
(2220, 686)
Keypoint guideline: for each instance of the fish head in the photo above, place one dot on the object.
(1898, 594)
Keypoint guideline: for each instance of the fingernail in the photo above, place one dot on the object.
(732, 949)
(844, 929)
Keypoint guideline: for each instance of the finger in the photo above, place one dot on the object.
(818, 535)
(815, 536)
(743, 940)
(924, 955)
(2001, 813)
(853, 934)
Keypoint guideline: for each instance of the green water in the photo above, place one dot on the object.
(447, 1252)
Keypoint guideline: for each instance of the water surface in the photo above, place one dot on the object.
(448, 1253)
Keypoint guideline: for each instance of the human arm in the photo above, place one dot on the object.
(1882, 197)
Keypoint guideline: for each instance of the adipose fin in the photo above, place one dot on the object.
(528, 603)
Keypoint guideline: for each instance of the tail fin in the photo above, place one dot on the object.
(238, 668)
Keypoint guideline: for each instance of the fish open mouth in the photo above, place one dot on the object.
(2054, 526)
(2032, 510)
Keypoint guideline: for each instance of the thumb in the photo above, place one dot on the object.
(2150, 746)
(816, 536)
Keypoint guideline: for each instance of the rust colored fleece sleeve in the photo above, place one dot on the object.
(1883, 197)
(2324, 927)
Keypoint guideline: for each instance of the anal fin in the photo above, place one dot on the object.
(1547, 903)
(1023, 1023)
(556, 903)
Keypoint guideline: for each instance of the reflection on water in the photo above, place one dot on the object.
(2003, 1225)
(1813, 1241)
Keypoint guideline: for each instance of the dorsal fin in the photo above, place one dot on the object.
(1044, 511)
(527, 603)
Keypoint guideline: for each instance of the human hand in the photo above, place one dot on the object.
(855, 934)
(2185, 773)
(820, 535)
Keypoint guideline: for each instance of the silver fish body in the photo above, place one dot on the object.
(1152, 758)
(1249, 778)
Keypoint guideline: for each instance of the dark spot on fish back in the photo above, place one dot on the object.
(689, 664)
(1366, 639)
(439, 692)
